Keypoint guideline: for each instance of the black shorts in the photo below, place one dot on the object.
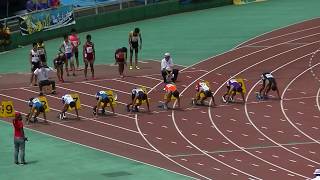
(40, 109)
(272, 83)
(35, 65)
(76, 53)
(72, 104)
(208, 93)
(134, 46)
(175, 94)
(42, 58)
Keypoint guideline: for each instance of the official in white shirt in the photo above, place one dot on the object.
(42, 74)
(167, 70)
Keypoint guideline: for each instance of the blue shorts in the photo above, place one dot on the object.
(68, 56)
(38, 106)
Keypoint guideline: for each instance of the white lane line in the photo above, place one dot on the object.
(221, 87)
(274, 37)
(317, 101)
(249, 119)
(126, 82)
(81, 130)
(284, 113)
(85, 105)
(80, 92)
(100, 150)
(105, 87)
(164, 155)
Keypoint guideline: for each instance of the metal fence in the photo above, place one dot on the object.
(94, 9)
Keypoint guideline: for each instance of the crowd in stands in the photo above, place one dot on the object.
(33, 5)
(4, 36)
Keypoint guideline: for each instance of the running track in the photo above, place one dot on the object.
(256, 140)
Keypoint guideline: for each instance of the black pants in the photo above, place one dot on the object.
(46, 83)
(175, 73)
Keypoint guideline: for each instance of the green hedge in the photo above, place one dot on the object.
(118, 17)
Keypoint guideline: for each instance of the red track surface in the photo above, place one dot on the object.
(258, 140)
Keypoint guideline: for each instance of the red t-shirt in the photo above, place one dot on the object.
(88, 51)
(74, 40)
(120, 55)
(18, 126)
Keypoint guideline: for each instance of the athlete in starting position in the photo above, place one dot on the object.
(233, 86)
(203, 88)
(171, 90)
(268, 83)
(36, 107)
(67, 102)
(137, 95)
(102, 97)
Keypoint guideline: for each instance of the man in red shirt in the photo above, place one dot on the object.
(121, 59)
(88, 56)
(19, 139)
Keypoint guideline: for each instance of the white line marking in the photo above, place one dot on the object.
(126, 82)
(80, 92)
(105, 87)
(84, 131)
(165, 156)
(100, 150)
(119, 114)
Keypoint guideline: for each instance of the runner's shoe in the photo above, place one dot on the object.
(165, 107)
(193, 101)
(137, 67)
(224, 99)
(130, 67)
(60, 116)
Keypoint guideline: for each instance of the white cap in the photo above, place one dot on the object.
(166, 54)
(317, 172)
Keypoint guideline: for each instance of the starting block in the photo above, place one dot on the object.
(76, 98)
(7, 109)
(112, 97)
(47, 89)
(45, 103)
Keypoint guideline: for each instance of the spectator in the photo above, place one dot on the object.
(317, 174)
(4, 36)
(42, 4)
(54, 3)
(30, 6)
(19, 139)
(43, 79)
(167, 71)
(74, 39)
(1, 35)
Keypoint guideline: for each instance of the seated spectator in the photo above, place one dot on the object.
(42, 4)
(1, 35)
(54, 3)
(30, 6)
(4, 36)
